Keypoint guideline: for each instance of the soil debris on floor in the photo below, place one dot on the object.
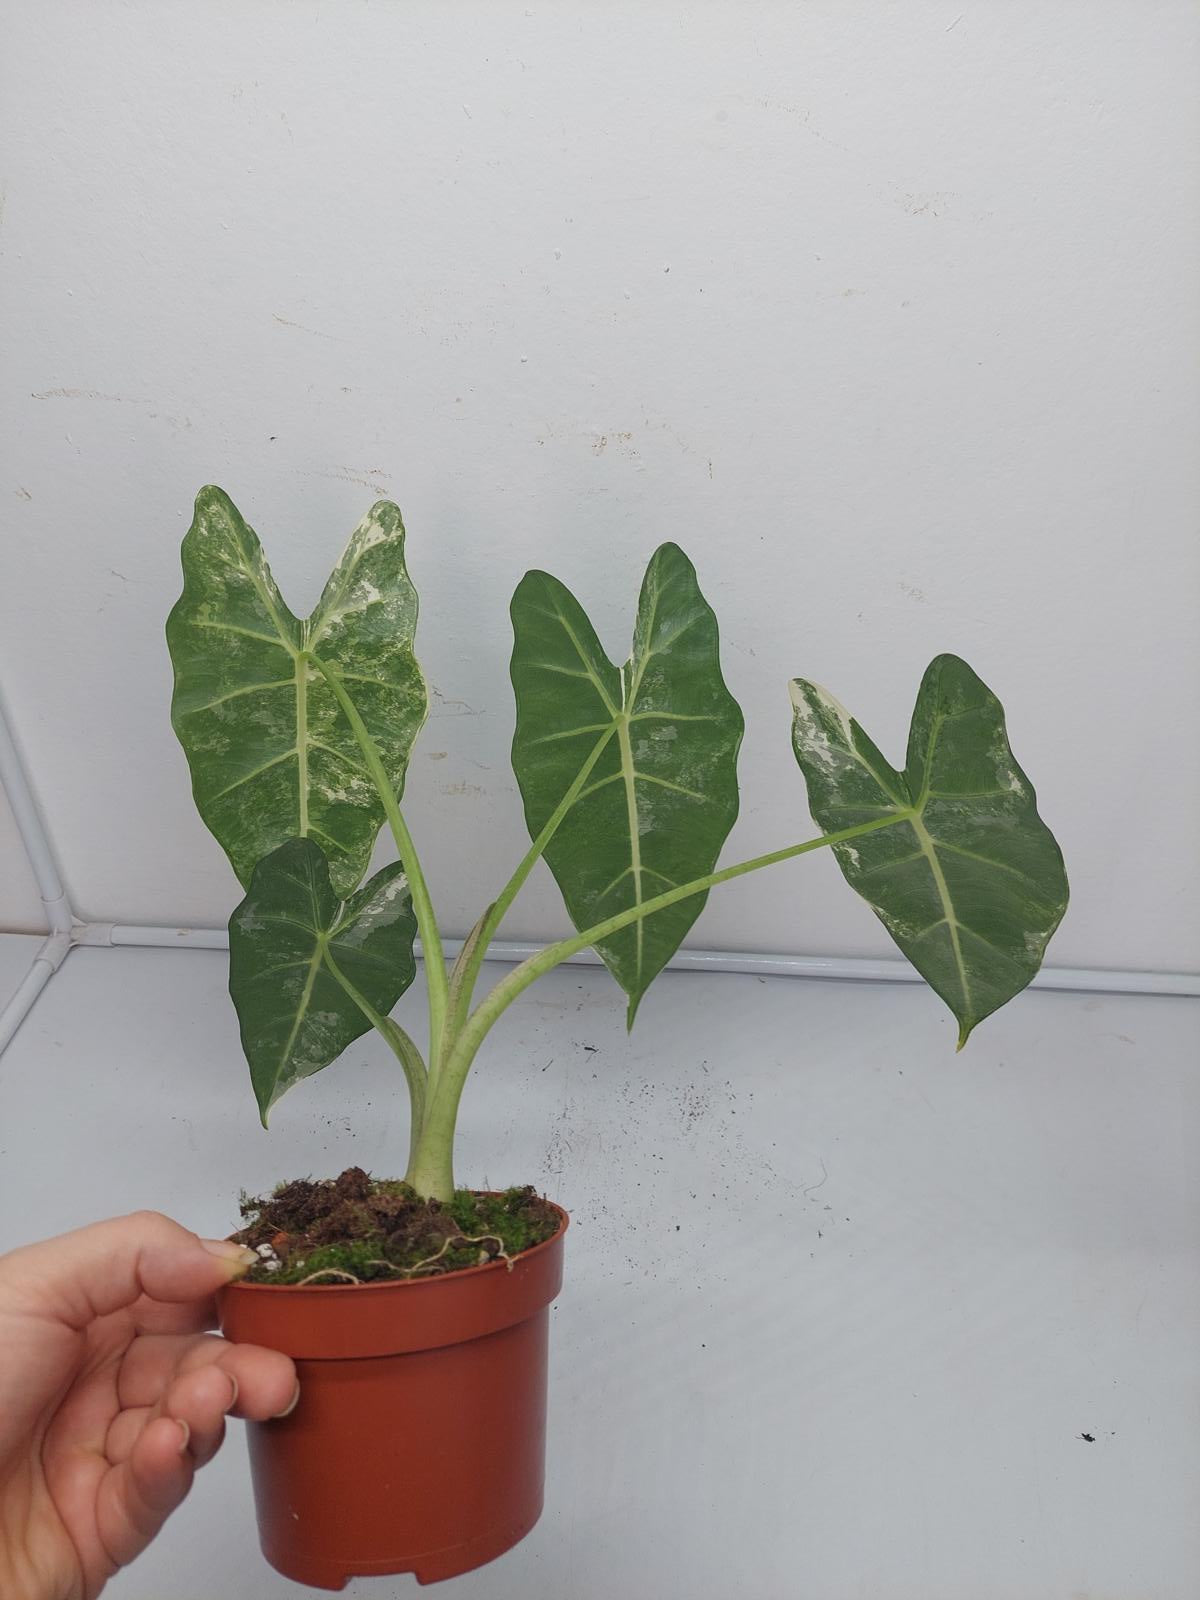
(360, 1229)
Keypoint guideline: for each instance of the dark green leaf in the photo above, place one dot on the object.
(289, 940)
(663, 795)
(970, 884)
(270, 753)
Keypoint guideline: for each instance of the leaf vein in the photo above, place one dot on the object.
(258, 771)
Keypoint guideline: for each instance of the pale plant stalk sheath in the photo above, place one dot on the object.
(435, 960)
(433, 1172)
(405, 1051)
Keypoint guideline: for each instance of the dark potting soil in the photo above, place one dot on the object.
(359, 1229)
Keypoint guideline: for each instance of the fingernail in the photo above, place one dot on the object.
(225, 1250)
(290, 1407)
(187, 1436)
(236, 1391)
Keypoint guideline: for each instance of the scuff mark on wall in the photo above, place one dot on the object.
(286, 322)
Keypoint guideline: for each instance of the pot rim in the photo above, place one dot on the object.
(324, 1290)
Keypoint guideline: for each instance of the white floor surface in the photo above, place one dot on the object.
(841, 1306)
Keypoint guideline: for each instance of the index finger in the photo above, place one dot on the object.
(111, 1266)
(156, 1316)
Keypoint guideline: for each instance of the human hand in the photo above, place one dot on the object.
(111, 1395)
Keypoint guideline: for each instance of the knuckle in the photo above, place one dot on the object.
(152, 1222)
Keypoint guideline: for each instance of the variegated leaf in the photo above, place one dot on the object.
(970, 883)
(663, 795)
(270, 753)
(289, 940)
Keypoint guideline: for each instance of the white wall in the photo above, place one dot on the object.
(22, 906)
(887, 313)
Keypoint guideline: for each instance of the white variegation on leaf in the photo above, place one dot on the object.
(271, 755)
(970, 883)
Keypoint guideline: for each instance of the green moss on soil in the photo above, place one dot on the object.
(363, 1229)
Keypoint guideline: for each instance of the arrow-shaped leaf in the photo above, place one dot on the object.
(296, 953)
(970, 883)
(271, 755)
(662, 796)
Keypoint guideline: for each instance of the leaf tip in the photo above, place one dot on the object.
(670, 551)
(386, 514)
(210, 495)
(964, 1033)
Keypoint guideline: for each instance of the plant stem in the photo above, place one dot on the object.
(405, 1051)
(474, 952)
(431, 942)
(431, 1171)
(434, 1158)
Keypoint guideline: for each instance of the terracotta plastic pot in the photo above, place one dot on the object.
(419, 1441)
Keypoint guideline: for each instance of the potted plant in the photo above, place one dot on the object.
(418, 1313)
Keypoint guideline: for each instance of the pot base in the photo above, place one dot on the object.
(435, 1566)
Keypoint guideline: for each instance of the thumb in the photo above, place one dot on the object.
(100, 1269)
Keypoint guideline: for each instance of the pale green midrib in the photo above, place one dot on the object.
(930, 852)
(664, 645)
(300, 679)
(927, 777)
(630, 677)
(302, 742)
(660, 647)
(630, 689)
(372, 1014)
(332, 610)
(316, 624)
(314, 966)
(635, 680)
(311, 631)
(629, 777)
